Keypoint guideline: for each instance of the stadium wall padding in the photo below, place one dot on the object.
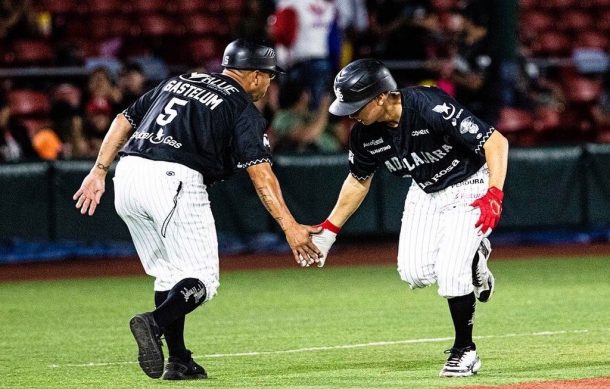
(545, 187)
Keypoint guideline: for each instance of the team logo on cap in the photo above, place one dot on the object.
(339, 94)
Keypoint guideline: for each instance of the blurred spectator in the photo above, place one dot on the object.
(98, 116)
(353, 20)
(15, 143)
(601, 112)
(393, 23)
(297, 129)
(100, 85)
(302, 29)
(268, 105)
(132, 84)
(253, 21)
(17, 20)
(47, 144)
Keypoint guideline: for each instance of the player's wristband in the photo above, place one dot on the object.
(327, 225)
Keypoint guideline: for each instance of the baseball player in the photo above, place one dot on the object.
(189, 132)
(457, 165)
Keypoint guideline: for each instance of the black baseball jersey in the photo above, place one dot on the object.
(204, 121)
(437, 142)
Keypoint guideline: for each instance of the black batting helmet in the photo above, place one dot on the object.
(358, 83)
(246, 55)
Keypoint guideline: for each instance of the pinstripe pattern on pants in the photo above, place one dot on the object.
(157, 196)
(438, 238)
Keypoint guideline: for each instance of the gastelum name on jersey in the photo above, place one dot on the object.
(205, 97)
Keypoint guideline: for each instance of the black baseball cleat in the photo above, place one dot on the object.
(148, 336)
(177, 369)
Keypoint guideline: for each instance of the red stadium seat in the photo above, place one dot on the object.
(443, 5)
(148, 6)
(25, 102)
(107, 6)
(60, 6)
(188, 6)
(202, 50)
(205, 24)
(235, 6)
(32, 52)
(592, 39)
(558, 4)
(603, 22)
(158, 25)
(575, 20)
(527, 4)
(536, 21)
(514, 120)
(552, 44)
(581, 90)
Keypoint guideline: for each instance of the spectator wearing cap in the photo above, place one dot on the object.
(132, 84)
(15, 143)
(297, 129)
(98, 115)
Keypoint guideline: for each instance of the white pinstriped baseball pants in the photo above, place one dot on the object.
(438, 238)
(166, 208)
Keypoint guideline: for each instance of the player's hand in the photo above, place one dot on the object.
(491, 209)
(90, 193)
(325, 239)
(304, 250)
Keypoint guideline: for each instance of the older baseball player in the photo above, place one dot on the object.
(187, 133)
(457, 165)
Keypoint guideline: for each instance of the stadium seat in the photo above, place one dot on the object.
(603, 22)
(204, 24)
(158, 25)
(443, 5)
(32, 52)
(148, 6)
(575, 20)
(25, 102)
(536, 21)
(202, 50)
(58, 7)
(592, 39)
(107, 6)
(581, 90)
(558, 4)
(527, 4)
(235, 6)
(188, 6)
(552, 44)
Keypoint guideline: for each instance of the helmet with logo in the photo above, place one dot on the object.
(247, 55)
(358, 83)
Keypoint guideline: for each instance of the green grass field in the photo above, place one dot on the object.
(333, 327)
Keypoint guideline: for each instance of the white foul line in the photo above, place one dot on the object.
(339, 347)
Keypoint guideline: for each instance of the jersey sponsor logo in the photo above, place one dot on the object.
(468, 126)
(350, 156)
(373, 142)
(448, 112)
(379, 150)
(212, 82)
(423, 131)
(266, 141)
(415, 159)
(440, 174)
(205, 97)
(158, 138)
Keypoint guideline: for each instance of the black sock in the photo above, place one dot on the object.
(182, 299)
(462, 313)
(174, 332)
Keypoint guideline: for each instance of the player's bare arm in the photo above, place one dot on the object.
(268, 190)
(351, 196)
(496, 155)
(89, 194)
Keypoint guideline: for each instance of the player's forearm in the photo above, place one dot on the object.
(496, 154)
(351, 196)
(269, 192)
(118, 134)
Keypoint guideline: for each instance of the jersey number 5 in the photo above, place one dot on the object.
(169, 112)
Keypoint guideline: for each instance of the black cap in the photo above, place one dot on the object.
(246, 55)
(358, 83)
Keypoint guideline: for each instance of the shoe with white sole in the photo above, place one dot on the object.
(462, 362)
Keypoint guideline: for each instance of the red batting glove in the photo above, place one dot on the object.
(491, 209)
